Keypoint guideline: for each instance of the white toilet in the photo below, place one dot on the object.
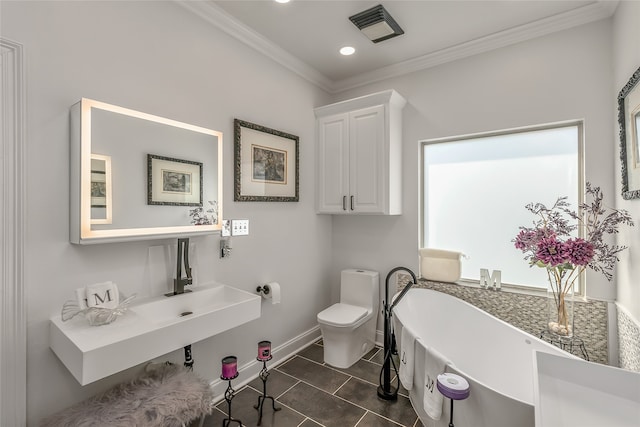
(349, 327)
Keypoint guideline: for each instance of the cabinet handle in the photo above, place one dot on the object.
(351, 202)
(344, 203)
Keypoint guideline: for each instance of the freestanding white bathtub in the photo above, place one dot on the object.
(496, 358)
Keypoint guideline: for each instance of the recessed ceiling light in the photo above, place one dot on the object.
(347, 50)
(282, 1)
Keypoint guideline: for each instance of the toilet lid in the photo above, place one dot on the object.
(341, 314)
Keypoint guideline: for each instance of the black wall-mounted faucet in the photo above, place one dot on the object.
(180, 282)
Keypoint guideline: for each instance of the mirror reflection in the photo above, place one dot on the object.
(143, 176)
(100, 189)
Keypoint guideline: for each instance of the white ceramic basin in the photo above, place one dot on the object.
(150, 328)
(183, 307)
(575, 393)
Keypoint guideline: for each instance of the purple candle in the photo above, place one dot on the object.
(264, 350)
(229, 367)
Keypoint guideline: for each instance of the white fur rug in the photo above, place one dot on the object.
(165, 395)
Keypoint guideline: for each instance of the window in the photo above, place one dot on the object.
(475, 189)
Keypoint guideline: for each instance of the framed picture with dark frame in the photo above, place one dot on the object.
(629, 122)
(173, 182)
(101, 196)
(266, 165)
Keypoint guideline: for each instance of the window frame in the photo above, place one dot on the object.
(511, 287)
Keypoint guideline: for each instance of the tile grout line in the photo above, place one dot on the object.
(381, 416)
(305, 416)
(284, 392)
(334, 394)
(311, 360)
(298, 381)
(361, 418)
(350, 376)
(350, 402)
(366, 409)
(342, 385)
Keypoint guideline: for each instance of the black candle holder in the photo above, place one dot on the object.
(264, 375)
(228, 396)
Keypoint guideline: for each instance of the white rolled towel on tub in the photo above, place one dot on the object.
(440, 265)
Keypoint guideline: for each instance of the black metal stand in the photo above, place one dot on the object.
(264, 375)
(228, 396)
(569, 344)
(386, 390)
(451, 415)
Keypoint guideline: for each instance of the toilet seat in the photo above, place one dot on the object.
(341, 314)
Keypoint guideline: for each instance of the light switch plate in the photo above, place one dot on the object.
(226, 228)
(240, 227)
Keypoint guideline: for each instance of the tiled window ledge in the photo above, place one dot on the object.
(629, 338)
(529, 312)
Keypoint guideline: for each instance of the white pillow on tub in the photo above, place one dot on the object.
(440, 265)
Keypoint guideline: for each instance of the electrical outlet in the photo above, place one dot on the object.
(226, 228)
(240, 227)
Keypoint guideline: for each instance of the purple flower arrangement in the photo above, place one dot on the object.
(551, 243)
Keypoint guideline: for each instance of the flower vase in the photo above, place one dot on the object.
(560, 309)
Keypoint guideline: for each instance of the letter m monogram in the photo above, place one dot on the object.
(429, 384)
(490, 281)
(106, 297)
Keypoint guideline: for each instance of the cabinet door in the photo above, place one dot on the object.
(333, 164)
(368, 173)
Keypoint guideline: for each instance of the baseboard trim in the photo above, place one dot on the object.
(250, 371)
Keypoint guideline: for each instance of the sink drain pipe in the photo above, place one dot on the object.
(188, 359)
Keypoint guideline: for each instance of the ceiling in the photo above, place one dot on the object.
(305, 35)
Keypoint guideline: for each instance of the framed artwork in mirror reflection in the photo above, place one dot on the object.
(101, 197)
(174, 182)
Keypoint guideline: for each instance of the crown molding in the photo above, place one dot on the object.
(217, 16)
(580, 16)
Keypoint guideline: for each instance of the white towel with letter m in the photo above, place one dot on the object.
(435, 364)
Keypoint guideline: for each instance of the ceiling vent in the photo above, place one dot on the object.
(376, 24)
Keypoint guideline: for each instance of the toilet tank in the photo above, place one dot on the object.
(360, 287)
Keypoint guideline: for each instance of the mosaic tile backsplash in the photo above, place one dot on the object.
(629, 334)
(529, 313)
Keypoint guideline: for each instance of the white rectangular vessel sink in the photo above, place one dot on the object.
(163, 310)
(150, 328)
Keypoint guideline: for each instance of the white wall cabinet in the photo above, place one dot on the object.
(359, 155)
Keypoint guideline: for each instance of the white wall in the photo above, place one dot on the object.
(158, 58)
(626, 60)
(562, 76)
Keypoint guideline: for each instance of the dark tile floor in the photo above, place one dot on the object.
(312, 393)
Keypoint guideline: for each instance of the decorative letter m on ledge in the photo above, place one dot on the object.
(493, 281)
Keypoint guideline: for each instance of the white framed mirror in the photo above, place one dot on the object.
(136, 176)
